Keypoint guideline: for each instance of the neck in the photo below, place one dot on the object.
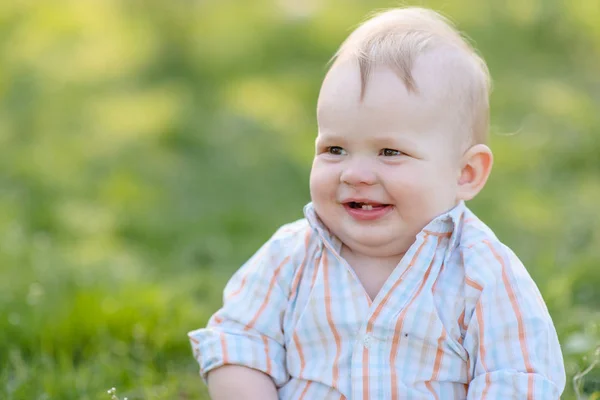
(380, 262)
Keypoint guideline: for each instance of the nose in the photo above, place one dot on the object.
(358, 172)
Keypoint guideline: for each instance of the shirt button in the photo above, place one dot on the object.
(367, 341)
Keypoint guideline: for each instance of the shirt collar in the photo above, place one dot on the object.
(448, 223)
(317, 224)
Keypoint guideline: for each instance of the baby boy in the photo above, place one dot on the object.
(390, 287)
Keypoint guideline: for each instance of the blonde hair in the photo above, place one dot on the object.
(395, 38)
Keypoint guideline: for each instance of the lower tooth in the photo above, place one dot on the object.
(367, 207)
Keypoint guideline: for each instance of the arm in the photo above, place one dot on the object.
(249, 384)
(512, 344)
(243, 346)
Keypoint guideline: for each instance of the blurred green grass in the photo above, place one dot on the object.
(148, 148)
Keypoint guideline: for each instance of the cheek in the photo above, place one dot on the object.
(411, 180)
(322, 181)
(417, 186)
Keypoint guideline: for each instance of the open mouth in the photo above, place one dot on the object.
(366, 206)
(367, 211)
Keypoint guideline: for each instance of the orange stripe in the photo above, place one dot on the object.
(266, 342)
(518, 314)
(315, 271)
(217, 320)
(365, 363)
(398, 331)
(389, 294)
(305, 390)
(468, 369)
(437, 364)
(482, 349)
(296, 281)
(300, 353)
(266, 301)
(224, 349)
(336, 335)
(461, 320)
(488, 383)
(473, 284)
(430, 388)
(238, 290)
(194, 340)
(438, 234)
(259, 257)
(438, 357)
(342, 397)
(436, 281)
(461, 323)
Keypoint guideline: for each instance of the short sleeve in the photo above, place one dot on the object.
(247, 330)
(513, 347)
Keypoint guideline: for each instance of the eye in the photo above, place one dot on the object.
(335, 150)
(390, 152)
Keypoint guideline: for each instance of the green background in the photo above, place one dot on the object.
(147, 148)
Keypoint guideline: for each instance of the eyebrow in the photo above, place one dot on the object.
(330, 137)
(383, 139)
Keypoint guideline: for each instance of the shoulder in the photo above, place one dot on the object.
(287, 247)
(292, 230)
(291, 236)
(491, 266)
(276, 261)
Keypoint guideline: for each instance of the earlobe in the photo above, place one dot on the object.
(476, 167)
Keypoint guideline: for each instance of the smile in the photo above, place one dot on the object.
(366, 211)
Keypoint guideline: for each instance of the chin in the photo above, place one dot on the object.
(369, 240)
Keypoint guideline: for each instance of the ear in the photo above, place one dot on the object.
(476, 167)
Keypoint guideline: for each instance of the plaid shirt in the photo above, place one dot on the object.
(458, 318)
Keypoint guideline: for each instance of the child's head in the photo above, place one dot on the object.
(403, 119)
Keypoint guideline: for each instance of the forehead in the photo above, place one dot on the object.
(387, 104)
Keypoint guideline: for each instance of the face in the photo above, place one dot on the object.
(386, 165)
